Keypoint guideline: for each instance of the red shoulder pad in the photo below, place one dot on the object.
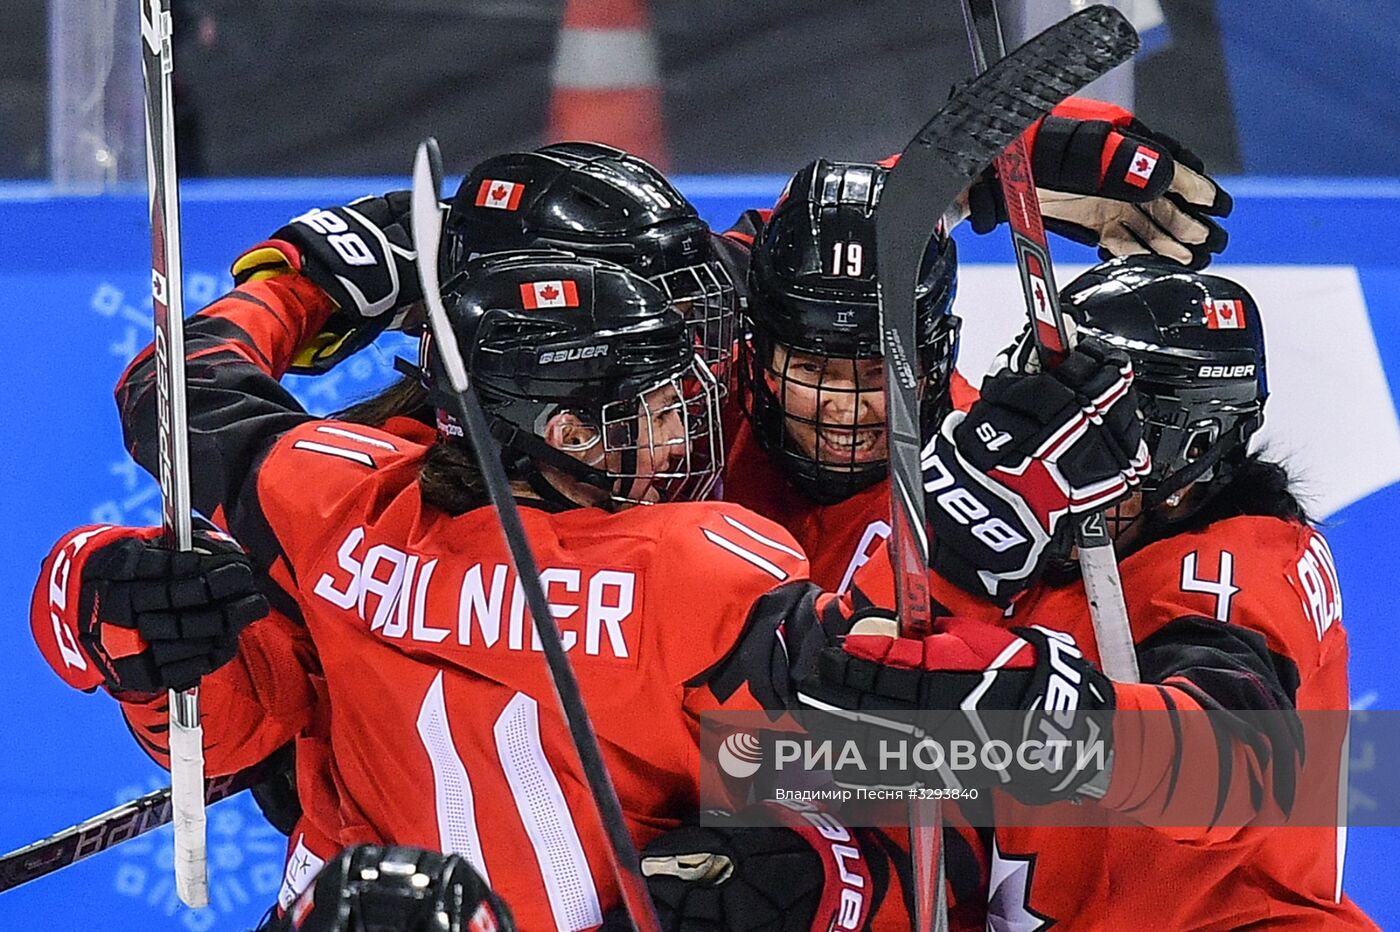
(714, 560)
(733, 543)
(313, 467)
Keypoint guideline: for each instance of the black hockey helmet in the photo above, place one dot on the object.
(369, 888)
(543, 331)
(812, 289)
(601, 202)
(1197, 346)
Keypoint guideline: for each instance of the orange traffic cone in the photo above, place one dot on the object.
(606, 81)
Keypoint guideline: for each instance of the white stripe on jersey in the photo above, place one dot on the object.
(351, 435)
(452, 788)
(353, 455)
(573, 897)
(776, 545)
(768, 566)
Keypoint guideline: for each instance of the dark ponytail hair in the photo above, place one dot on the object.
(449, 479)
(1256, 486)
(405, 398)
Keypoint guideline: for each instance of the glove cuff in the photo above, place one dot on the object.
(268, 259)
(55, 610)
(848, 894)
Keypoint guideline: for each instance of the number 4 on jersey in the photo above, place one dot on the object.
(1222, 587)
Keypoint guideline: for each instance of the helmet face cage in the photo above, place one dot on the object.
(673, 427)
(806, 408)
(838, 455)
(1183, 424)
(705, 294)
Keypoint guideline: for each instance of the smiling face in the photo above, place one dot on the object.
(662, 445)
(833, 407)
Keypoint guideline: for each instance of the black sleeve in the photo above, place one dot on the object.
(236, 406)
(1249, 690)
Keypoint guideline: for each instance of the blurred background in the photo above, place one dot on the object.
(340, 87)
(288, 105)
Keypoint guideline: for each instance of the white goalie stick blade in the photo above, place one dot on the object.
(427, 237)
(976, 124)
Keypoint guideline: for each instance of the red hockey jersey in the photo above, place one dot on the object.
(433, 721)
(1264, 574)
(1272, 576)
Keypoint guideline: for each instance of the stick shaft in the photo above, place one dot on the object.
(1053, 339)
(622, 852)
(186, 736)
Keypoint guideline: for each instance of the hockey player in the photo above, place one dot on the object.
(412, 644)
(811, 451)
(1234, 604)
(372, 305)
(407, 612)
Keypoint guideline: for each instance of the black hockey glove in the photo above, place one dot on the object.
(372, 889)
(805, 870)
(124, 612)
(1036, 447)
(361, 255)
(1106, 179)
(976, 670)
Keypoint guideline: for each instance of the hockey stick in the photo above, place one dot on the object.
(1053, 341)
(427, 234)
(109, 829)
(978, 122)
(167, 300)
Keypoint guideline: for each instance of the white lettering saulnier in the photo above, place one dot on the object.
(388, 588)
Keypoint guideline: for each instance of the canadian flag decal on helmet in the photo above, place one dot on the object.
(501, 195)
(1223, 314)
(554, 293)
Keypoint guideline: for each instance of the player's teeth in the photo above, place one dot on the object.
(864, 440)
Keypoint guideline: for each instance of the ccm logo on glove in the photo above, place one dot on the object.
(59, 575)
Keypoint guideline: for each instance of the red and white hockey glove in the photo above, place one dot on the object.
(1107, 179)
(113, 608)
(361, 255)
(803, 870)
(1036, 447)
(974, 667)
